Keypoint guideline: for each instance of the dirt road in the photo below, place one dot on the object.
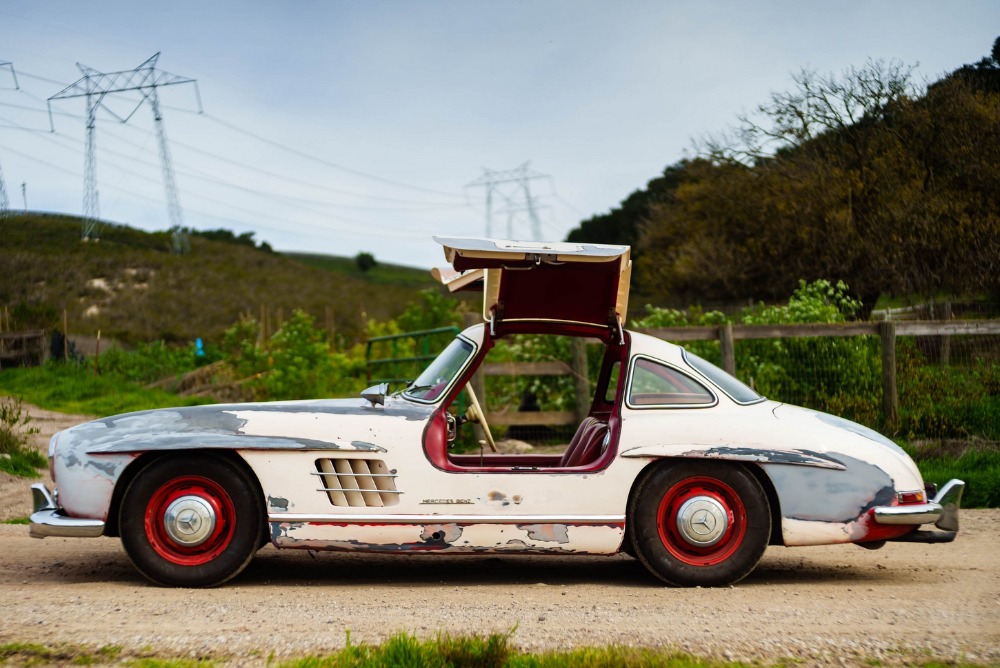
(841, 605)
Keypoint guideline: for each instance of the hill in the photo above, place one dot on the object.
(864, 177)
(131, 287)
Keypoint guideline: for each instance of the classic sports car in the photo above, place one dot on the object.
(676, 462)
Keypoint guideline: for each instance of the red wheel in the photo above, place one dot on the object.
(190, 520)
(183, 528)
(700, 523)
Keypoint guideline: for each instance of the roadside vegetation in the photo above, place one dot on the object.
(843, 375)
(403, 651)
(17, 456)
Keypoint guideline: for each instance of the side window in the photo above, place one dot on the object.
(655, 384)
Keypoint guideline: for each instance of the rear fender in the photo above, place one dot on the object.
(736, 453)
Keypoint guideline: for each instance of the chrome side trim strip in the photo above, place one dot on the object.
(445, 519)
(362, 490)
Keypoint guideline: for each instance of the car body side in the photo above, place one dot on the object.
(823, 475)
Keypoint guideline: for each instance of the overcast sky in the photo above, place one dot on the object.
(340, 127)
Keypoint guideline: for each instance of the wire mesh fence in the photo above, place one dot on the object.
(944, 377)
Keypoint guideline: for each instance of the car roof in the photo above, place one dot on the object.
(545, 281)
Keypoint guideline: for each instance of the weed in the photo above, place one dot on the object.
(17, 457)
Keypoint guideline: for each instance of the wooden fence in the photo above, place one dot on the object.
(887, 331)
(28, 348)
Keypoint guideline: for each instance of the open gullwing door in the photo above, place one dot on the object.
(546, 281)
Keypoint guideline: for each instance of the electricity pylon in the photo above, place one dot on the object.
(512, 188)
(4, 200)
(95, 86)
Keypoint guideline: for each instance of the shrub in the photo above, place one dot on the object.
(836, 374)
(295, 363)
(17, 457)
(148, 362)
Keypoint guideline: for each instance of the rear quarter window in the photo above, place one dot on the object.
(654, 384)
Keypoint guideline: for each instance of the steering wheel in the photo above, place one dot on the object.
(474, 413)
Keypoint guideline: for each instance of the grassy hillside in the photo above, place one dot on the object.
(131, 287)
(380, 274)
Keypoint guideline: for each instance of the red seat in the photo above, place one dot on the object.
(586, 443)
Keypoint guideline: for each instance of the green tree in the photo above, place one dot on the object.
(622, 224)
(365, 261)
(858, 178)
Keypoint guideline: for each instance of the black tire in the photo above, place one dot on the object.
(701, 524)
(218, 520)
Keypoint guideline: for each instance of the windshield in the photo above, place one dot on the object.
(436, 378)
(731, 386)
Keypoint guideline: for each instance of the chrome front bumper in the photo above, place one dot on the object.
(49, 520)
(942, 511)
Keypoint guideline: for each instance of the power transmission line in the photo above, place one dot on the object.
(326, 162)
(457, 198)
(95, 86)
(513, 190)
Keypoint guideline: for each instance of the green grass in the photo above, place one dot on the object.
(979, 470)
(75, 389)
(33, 654)
(19, 520)
(24, 464)
(17, 457)
(403, 650)
(380, 274)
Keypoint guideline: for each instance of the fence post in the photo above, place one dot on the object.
(945, 339)
(728, 349)
(890, 397)
(581, 377)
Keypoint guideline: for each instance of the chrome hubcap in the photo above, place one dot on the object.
(189, 520)
(702, 521)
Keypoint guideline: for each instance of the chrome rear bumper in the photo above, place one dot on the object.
(942, 511)
(49, 520)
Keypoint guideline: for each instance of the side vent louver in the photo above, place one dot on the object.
(362, 483)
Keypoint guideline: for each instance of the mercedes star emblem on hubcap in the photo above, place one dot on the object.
(702, 521)
(189, 520)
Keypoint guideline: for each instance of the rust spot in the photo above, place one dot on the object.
(498, 497)
(441, 533)
(547, 533)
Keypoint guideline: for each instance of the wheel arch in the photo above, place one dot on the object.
(776, 537)
(146, 458)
